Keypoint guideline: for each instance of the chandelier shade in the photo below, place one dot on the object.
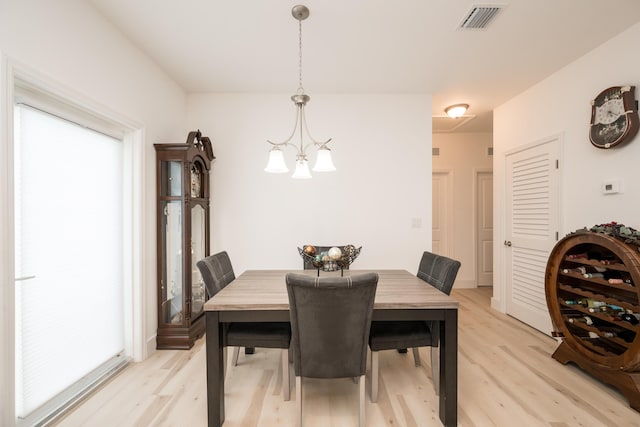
(302, 169)
(323, 161)
(276, 163)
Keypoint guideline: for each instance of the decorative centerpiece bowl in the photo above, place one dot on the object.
(336, 258)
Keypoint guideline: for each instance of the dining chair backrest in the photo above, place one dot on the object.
(330, 323)
(217, 272)
(439, 271)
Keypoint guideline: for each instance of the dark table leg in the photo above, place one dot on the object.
(215, 370)
(449, 368)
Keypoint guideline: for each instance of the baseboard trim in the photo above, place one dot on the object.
(150, 346)
(496, 304)
(465, 284)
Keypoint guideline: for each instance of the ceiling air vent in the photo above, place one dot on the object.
(479, 17)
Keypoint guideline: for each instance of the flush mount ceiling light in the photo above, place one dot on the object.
(276, 162)
(457, 110)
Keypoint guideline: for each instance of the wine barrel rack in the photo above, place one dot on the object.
(608, 348)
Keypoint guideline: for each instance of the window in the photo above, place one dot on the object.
(70, 174)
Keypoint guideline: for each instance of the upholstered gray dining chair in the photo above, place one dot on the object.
(439, 272)
(217, 272)
(330, 323)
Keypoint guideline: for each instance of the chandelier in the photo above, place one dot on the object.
(276, 162)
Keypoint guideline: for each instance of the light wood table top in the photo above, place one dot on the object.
(266, 290)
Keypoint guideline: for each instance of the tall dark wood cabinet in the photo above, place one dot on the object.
(183, 232)
(592, 291)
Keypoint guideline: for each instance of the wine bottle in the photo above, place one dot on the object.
(626, 335)
(582, 255)
(633, 318)
(608, 259)
(620, 282)
(612, 274)
(582, 319)
(592, 275)
(579, 270)
(600, 309)
(612, 310)
(616, 277)
(582, 302)
(592, 303)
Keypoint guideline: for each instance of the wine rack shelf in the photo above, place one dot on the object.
(589, 313)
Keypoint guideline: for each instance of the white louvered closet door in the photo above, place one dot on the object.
(532, 205)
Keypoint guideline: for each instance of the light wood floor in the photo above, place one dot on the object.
(506, 378)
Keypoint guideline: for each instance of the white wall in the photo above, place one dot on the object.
(69, 45)
(463, 155)
(561, 105)
(382, 151)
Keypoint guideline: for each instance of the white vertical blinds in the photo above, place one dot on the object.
(69, 245)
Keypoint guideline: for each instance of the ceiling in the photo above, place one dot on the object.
(370, 46)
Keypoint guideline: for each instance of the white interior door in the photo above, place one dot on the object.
(442, 205)
(484, 228)
(533, 207)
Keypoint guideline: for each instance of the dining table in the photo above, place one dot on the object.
(261, 296)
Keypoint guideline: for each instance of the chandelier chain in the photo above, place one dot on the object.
(300, 88)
